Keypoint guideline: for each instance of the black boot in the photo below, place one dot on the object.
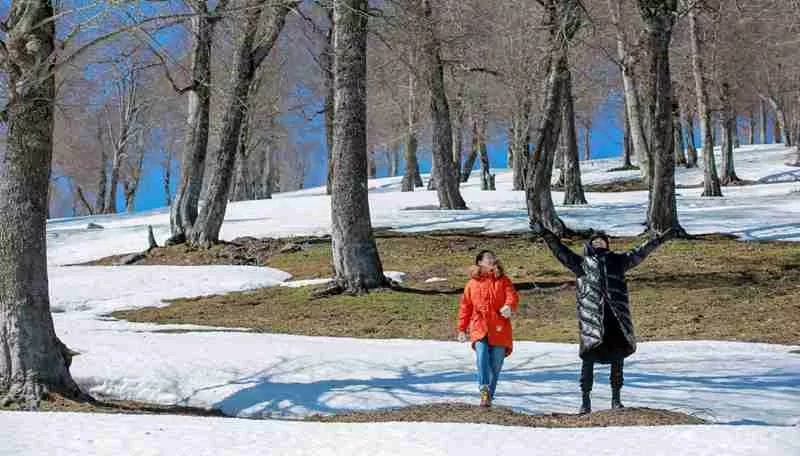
(616, 384)
(586, 404)
(615, 401)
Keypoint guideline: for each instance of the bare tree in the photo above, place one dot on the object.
(711, 184)
(251, 52)
(356, 262)
(447, 184)
(33, 361)
(728, 131)
(659, 17)
(573, 187)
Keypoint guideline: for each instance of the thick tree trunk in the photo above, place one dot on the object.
(680, 152)
(327, 63)
(33, 362)
(477, 141)
(728, 132)
(659, 19)
(631, 93)
(691, 159)
(520, 122)
(183, 212)
(447, 187)
(356, 262)
(762, 120)
(246, 62)
(627, 142)
(558, 160)
(573, 187)
(711, 184)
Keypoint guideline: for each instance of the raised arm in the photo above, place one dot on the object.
(636, 256)
(563, 254)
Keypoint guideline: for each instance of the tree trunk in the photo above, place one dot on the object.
(102, 180)
(711, 184)
(246, 62)
(573, 187)
(327, 63)
(762, 120)
(33, 361)
(751, 133)
(558, 160)
(510, 148)
(241, 183)
(659, 18)
(780, 125)
(84, 202)
(458, 135)
(631, 92)
(411, 175)
(167, 177)
(372, 171)
(728, 132)
(519, 144)
(587, 140)
(627, 143)
(680, 153)
(183, 212)
(394, 159)
(447, 187)
(477, 141)
(691, 159)
(539, 174)
(737, 143)
(356, 262)
(487, 178)
(110, 206)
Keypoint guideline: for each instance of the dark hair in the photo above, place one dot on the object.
(482, 254)
(499, 270)
(599, 235)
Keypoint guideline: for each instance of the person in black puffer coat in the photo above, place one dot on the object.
(604, 317)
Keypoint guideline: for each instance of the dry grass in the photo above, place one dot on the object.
(711, 288)
(57, 403)
(461, 413)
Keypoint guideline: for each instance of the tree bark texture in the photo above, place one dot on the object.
(691, 148)
(680, 152)
(728, 132)
(33, 362)
(573, 187)
(356, 262)
(520, 122)
(411, 176)
(478, 133)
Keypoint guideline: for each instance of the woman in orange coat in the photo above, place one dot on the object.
(487, 305)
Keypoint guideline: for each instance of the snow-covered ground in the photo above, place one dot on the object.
(753, 212)
(751, 391)
(52, 434)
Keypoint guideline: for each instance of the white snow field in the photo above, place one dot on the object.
(751, 392)
(56, 434)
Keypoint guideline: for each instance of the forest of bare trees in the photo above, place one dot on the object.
(225, 100)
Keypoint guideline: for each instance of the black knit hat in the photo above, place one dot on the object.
(599, 235)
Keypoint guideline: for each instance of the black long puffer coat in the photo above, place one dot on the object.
(606, 328)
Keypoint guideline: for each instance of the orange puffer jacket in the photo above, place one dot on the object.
(483, 297)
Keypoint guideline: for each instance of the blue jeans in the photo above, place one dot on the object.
(490, 362)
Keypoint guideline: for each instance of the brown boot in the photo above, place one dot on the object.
(486, 400)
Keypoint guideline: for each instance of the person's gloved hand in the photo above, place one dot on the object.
(505, 311)
(462, 336)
